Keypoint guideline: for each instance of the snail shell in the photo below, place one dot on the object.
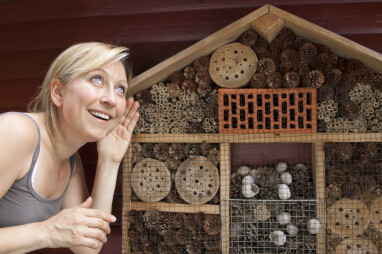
(281, 167)
(250, 190)
(278, 237)
(286, 178)
(283, 191)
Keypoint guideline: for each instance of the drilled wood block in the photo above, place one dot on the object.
(268, 26)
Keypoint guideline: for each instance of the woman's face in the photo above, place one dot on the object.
(92, 104)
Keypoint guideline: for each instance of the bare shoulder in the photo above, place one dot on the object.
(18, 140)
(16, 128)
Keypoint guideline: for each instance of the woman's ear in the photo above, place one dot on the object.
(56, 92)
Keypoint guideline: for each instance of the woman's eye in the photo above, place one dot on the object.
(121, 89)
(97, 79)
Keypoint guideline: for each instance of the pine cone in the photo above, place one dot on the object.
(266, 65)
(290, 59)
(212, 244)
(325, 93)
(299, 41)
(336, 176)
(291, 79)
(202, 63)
(214, 156)
(189, 221)
(348, 81)
(169, 239)
(160, 151)
(179, 220)
(315, 79)
(204, 90)
(172, 164)
(321, 62)
(189, 72)
(176, 77)
(345, 151)
(189, 86)
(323, 49)
(173, 90)
(341, 64)
(259, 80)
(205, 148)
(203, 79)
(303, 69)
(199, 219)
(183, 236)
(176, 151)
(192, 150)
(195, 128)
(308, 52)
(268, 193)
(260, 46)
(372, 148)
(133, 216)
(164, 225)
(354, 67)
(212, 224)
(333, 77)
(173, 196)
(147, 149)
(151, 218)
(351, 110)
(287, 36)
(275, 80)
(248, 38)
(193, 248)
(367, 77)
(143, 97)
(267, 177)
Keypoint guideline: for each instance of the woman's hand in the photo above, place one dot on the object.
(114, 145)
(78, 226)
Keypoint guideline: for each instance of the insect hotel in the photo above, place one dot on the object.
(264, 137)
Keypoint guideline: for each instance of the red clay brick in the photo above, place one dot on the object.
(268, 110)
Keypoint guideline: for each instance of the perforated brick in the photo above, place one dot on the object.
(268, 110)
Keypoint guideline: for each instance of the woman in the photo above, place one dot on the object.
(44, 202)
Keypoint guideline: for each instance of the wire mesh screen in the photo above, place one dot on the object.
(274, 226)
(257, 147)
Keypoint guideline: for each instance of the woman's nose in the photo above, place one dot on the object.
(108, 98)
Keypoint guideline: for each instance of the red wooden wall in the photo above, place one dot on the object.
(32, 33)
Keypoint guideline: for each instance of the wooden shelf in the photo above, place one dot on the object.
(257, 138)
(177, 208)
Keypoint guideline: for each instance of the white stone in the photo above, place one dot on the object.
(248, 179)
(283, 191)
(250, 190)
(292, 229)
(243, 170)
(286, 178)
(278, 237)
(314, 226)
(283, 218)
(281, 167)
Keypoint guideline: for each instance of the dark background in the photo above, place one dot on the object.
(33, 33)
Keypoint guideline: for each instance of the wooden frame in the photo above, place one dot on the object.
(278, 18)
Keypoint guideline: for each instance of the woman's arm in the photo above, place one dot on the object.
(111, 150)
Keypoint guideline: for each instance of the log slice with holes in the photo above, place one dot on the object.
(150, 180)
(197, 180)
(348, 217)
(233, 65)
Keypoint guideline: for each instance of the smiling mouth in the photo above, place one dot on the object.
(100, 115)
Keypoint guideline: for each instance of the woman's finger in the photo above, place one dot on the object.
(130, 115)
(98, 223)
(97, 234)
(98, 214)
(129, 103)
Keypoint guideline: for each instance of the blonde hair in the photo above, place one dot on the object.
(74, 62)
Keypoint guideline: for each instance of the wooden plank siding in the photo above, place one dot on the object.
(33, 33)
